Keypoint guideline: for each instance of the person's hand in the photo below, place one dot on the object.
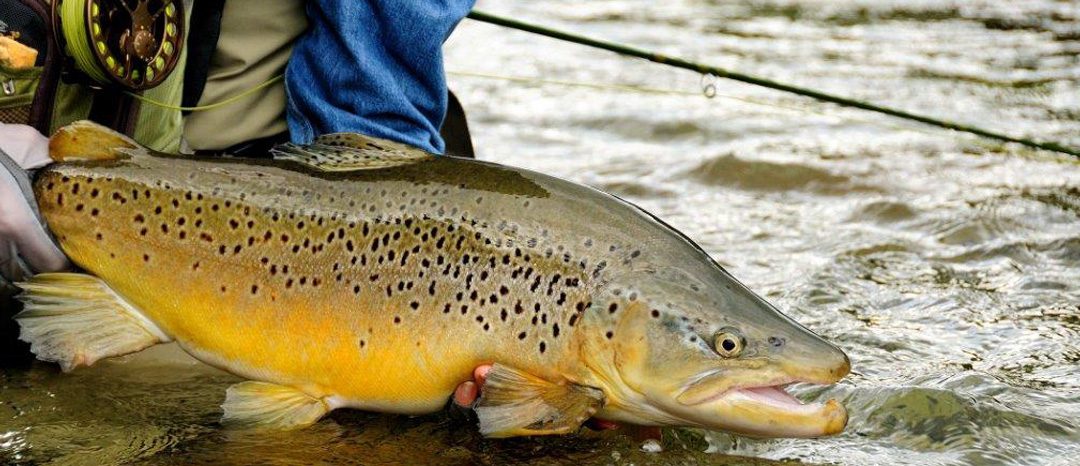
(468, 392)
(25, 246)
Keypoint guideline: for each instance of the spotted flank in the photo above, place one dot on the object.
(360, 273)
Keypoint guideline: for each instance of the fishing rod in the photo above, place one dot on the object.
(763, 82)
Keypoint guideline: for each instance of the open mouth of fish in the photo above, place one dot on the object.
(776, 396)
(769, 410)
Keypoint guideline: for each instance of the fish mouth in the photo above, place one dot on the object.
(767, 410)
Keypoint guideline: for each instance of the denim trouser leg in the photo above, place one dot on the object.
(372, 67)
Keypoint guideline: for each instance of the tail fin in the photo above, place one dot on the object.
(76, 319)
(86, 140)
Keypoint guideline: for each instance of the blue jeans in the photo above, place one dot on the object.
(372, 67)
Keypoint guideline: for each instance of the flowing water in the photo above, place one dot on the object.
(946, 266)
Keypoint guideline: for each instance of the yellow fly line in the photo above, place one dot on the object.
(222, 103)
(73, 22)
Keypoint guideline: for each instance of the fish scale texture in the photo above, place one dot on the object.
(410, 274)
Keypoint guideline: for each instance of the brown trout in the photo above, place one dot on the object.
(360, 273)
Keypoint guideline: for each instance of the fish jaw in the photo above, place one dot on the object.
(770, 411)
(755, 402)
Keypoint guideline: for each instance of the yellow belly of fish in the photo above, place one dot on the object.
(323, 341)
(280, 297)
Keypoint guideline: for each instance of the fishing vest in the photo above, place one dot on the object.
(203, 53)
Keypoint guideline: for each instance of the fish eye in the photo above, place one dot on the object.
(729, 342)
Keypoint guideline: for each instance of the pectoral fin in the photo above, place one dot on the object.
(340, 152)
(273, 406)
(76, 319)
(514, 403)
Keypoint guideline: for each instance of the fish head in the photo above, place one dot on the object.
(700, 349)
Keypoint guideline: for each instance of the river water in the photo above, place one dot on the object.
(946, 266)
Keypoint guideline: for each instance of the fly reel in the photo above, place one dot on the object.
(130, 44)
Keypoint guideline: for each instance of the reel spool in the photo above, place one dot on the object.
(130, 44)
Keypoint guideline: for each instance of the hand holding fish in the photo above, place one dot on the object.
(25, 247)
(468, 392)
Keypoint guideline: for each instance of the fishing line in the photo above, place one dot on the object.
(609, 87)
(72, 12)
(200, 108)
(708, 90)
(763, 82)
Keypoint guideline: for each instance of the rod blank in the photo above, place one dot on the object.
(763, 82)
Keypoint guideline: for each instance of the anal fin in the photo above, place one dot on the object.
(76, 319)
(273, 406)
(514, 403)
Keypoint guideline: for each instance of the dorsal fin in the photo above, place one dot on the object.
(86, 140)
(339, 152)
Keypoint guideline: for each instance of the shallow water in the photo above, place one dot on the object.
(947, 267)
